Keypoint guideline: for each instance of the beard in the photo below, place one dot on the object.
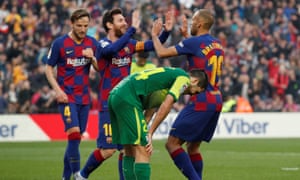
(79, 35)
(193, 31)
(118, 33)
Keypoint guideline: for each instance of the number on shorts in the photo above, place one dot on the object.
(67, 111)
(107, 129)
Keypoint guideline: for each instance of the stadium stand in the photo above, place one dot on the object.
(261, 40)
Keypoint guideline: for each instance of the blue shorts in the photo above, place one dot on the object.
(74, 115)
(194, 126)
(104, 131)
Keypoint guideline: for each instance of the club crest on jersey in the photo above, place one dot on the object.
(103, 43)
(127, 50)
(181, 44)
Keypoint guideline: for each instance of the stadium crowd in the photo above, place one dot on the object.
(261, 40)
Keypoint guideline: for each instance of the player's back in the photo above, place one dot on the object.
(205, 52)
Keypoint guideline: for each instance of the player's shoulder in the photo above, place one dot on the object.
(104, 42)
(150, 65)
(91, 38)
(59, 40)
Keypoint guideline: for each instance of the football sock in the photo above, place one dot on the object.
(184, 164)
(67, 169)
(94, 161)
(128, 167)
(142, 171)
(197, 163)
(120, 166)
(73, 151)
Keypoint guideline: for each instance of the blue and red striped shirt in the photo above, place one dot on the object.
(115, 61)
(72, 67)
(205, 52)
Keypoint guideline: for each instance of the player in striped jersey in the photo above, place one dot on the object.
(116, 51)
(198, 120)
(73, 54)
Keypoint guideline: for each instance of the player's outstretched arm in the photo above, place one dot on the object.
(161, 51)
(148, 114)
(161, 114)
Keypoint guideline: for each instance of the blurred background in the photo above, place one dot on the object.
(261, 40)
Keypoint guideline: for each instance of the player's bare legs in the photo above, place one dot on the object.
(136, 162)
(142, 168)
(193, 150)
(181, 158)
(128, 162)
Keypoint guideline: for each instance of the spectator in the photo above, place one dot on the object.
(290, 105)
(24, 97)
(248, 37)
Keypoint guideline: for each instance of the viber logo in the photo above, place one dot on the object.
(240, 126)
(8, 130)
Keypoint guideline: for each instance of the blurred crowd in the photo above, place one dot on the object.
(261, 40)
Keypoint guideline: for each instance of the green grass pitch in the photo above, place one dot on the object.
(224, 159)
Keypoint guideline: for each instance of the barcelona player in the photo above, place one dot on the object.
(73, 54)
(197, 121)
(128, 123)
(116, 51)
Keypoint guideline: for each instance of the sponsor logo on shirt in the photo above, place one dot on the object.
(78, 61)
(121, 61)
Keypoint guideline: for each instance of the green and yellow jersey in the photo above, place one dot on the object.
(147, 89)
(136, 68)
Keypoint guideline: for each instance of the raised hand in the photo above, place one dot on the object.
(170, 19)
(184, 26)
(136, 19)
(157, 27)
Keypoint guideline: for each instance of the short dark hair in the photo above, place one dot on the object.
(108, 17)
(143, 54)
(201, 76)
(79, 13)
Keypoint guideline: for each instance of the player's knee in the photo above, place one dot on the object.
(193, 148)
(107, 153)
(168, 145)
(74, 136)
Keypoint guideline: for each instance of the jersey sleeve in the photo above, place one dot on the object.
(53, 54)
(114, 48)
(148, 45)
(186, 46)
(179, 86)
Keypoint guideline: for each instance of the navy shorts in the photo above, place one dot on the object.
(104, 132)
(194, 126)
(74, 115)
